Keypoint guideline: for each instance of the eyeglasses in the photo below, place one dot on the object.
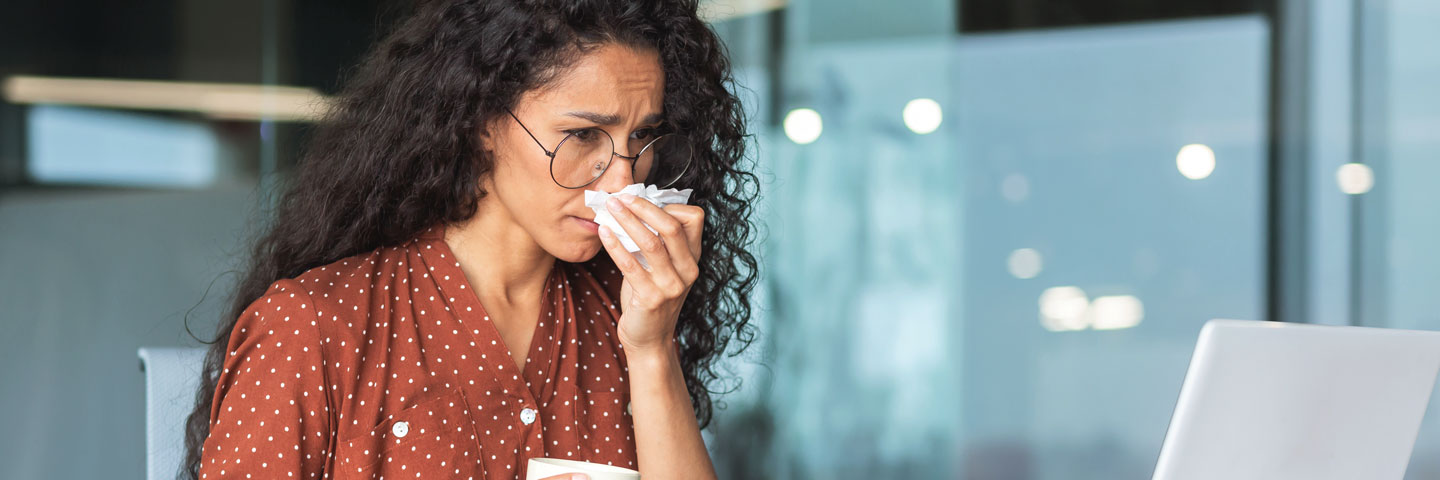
(584, 154)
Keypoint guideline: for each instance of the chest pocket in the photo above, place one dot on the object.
(604, 417)
(432, 439)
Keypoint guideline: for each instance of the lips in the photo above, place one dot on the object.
(587, 224)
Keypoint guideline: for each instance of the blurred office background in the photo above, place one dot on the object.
(994, 227)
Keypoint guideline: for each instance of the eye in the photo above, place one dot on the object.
(584, 134)
(644, 134)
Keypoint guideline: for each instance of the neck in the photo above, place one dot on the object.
(500, 259)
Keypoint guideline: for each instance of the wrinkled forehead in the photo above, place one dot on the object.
(611, 79)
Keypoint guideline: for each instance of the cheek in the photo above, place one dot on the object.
(526, 193)
(542, 207)
(520, 171)
(525, 180)
(536, 202)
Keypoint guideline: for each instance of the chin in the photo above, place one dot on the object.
(579, 252)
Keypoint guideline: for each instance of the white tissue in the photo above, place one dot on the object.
(596, 201)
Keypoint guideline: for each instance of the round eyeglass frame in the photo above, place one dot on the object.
(609, 161)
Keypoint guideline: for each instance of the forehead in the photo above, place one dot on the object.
(608, 79)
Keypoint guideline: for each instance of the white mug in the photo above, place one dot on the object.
(539, 468)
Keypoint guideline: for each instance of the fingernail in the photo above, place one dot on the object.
(627, 198)
(579, 476)
(604, 231)
(613, 204)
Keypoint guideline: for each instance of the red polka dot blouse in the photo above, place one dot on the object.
(384, 365)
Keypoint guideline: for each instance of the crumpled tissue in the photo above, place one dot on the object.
(596, 201)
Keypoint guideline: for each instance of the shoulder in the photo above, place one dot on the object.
(351, 276)
(346, 287)
(340, 291)
(285, 300)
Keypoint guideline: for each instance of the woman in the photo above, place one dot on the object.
(432, 299)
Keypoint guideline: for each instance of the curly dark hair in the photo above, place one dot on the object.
(398, 151)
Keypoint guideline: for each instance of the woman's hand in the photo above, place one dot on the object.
(651, 299)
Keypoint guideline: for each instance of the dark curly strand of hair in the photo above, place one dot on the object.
(398, 151)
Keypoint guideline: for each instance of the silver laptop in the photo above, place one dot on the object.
(1286, 401)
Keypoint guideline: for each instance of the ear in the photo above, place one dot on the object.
(488, 136)
(485, 132)
(485, 136)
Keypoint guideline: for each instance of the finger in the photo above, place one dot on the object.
(671, 229)
(662, 267)
(678, 270)
(627, 263)
(692, 221)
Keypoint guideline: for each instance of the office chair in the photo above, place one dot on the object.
(171, 376)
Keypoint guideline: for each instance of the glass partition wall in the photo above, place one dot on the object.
(992, 230)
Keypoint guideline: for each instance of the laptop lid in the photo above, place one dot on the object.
(1286, 401)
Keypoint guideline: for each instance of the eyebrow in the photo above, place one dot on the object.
(610, 119)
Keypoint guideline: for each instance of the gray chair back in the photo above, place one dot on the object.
(171, 376)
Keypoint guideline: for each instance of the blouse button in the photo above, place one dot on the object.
(527, 415)
(400, 429)
(627, 409)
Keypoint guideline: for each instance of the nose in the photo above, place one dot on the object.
(619, 174)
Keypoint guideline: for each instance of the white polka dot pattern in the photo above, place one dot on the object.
(444, 437)
(385, 365)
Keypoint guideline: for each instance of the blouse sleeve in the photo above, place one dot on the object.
(271, 413)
